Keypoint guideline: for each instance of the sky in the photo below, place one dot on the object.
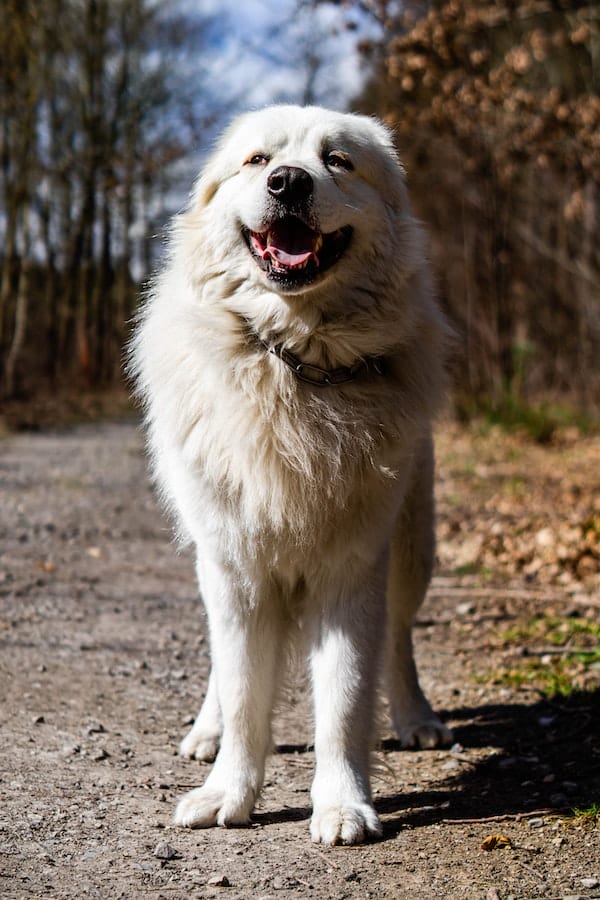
(270, 51)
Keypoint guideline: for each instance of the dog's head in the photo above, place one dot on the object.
(296, 196)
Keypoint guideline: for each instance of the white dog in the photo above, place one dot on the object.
(291, 357)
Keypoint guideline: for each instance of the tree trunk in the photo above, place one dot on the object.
(8, 269)
(21, 313)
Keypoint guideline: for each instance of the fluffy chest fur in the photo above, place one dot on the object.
(267, 453)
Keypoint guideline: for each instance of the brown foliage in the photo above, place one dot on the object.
(496, 110)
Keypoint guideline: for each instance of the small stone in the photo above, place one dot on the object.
(179, 675)
(96, 728)
(570, 787)
(559, 800)
(546, 721)
(536, 823)
(466, 608)
(219, 880)
(39, 720)
(71, 750)
(165, 851)
(589, 882)
(99, 755)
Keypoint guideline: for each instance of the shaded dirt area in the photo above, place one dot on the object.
(103, 658)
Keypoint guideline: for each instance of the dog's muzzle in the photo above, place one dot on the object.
(291, 252)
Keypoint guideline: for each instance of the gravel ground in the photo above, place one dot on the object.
(103, 663)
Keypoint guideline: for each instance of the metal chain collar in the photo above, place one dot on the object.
(319, 377)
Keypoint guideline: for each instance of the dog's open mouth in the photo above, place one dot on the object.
(294, 255)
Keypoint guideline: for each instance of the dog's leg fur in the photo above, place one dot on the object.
(411, 564)
(246, 648)
(202, 741)
(349, 639)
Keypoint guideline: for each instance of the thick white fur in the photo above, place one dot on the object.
(308, 506)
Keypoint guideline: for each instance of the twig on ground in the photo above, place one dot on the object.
(560, 651)
(504, 817)
(530, 869)
(327, 859)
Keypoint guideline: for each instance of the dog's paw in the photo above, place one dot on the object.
(205, 807)
(202, 746)
(350, 824)
(425, 735)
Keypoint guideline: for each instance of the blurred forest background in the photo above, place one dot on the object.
(497, 114)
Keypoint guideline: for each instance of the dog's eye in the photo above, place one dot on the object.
(257, 159)
(337, 159)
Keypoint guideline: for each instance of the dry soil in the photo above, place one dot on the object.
(103, 662)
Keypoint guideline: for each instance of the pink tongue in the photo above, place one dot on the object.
(290, 244)
(287, 259)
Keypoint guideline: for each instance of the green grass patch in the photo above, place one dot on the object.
(484, 573)
(560, 656)
(555, 679)
(588, 816)
(581, 634)
(539, 421)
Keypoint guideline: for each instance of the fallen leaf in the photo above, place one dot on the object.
(496, 842)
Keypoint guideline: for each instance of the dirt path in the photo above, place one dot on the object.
(102, 663)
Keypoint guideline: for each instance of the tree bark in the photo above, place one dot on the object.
(21, 312)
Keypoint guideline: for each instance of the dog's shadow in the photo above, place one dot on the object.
(541, 756)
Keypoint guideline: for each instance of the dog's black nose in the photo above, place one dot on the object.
(290, 184)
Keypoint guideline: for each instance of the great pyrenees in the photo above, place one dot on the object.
(291, 357)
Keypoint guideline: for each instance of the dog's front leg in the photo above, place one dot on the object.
(246, 649)
(344, 662)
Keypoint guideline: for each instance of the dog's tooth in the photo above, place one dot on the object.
(318, 243)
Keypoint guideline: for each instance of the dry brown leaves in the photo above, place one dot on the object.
(515, 83)
(509, 508)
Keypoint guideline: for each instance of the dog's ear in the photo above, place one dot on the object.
(376, 136)
(222, 163)
(207, 184)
